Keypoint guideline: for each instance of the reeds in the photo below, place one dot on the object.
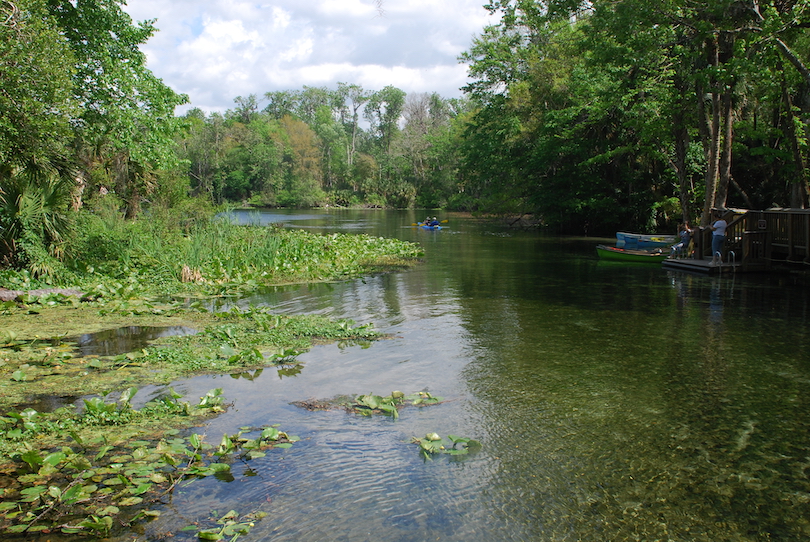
(223, 254)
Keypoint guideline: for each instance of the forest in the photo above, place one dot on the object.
(587, 117)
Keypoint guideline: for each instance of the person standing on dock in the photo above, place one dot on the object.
(718, 238)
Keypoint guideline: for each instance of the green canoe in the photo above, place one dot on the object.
(626, 255)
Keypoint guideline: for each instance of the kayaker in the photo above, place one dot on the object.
(434, 222)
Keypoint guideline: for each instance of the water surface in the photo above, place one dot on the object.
(614, 401)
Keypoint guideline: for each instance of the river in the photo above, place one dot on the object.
(613, 401)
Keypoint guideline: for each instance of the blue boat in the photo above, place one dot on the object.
(642, 241)
(429, 224)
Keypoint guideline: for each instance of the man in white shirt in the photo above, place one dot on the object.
(718, 238)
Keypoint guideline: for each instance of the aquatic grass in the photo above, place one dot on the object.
(217, 256)
(252, 339)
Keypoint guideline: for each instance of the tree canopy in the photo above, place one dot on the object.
(76, 102)
(612, 113)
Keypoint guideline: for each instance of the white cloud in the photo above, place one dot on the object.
(300, 50)
(219, 49)
(281, 19)
(353, 8)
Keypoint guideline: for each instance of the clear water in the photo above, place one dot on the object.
(614, 401)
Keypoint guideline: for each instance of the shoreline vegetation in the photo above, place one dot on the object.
(97, 469)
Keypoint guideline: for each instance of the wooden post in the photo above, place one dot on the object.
(806, 231)
(790, 240)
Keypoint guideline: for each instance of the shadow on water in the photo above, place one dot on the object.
(113, 342)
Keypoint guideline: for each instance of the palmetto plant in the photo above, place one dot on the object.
(34, 202)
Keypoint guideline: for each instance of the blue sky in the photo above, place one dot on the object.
(215, 50)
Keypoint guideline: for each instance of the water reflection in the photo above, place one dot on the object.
(112, 342)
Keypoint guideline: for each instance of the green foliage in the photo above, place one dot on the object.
(391, 404)
(124, 105)
(598, 120)
(73, 71)
(91, 486)
(36, 104)
(230, 526)
(432, 444)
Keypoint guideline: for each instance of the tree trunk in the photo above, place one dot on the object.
(680, 134)
(726, 42)
(725, 158)
(78, 192)
(713, 133)
(798, 188)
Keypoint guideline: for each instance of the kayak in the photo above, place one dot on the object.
(429, 226)
(628, 255)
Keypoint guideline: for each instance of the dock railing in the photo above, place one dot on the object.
(790, 232)
(747, 236)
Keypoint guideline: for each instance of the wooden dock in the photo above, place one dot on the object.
(704, 267)
(754, 240)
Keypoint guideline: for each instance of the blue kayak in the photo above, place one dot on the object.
(429, 227)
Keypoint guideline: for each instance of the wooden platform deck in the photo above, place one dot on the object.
(703, 267)
(754, 240)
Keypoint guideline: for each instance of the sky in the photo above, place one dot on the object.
(216, 50)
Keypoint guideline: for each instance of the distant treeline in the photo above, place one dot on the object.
(319, 146)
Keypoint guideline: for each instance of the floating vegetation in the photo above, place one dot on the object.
(390, 405)
(90, 483)
(229, 527)
(432, 444)
(373, 404)
(230, 341)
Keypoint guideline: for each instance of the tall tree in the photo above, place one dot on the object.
(281, 102)
(36, 107)
(384, 110)
(247, 108)
(127, 113)
(357, 98)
